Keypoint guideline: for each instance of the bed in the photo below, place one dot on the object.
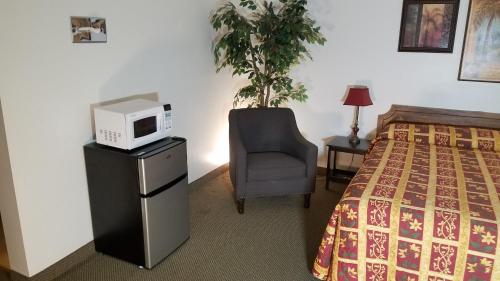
(425, 203)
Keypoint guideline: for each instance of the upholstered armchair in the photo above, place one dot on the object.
(269, 156)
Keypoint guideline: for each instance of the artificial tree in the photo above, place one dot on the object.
(263, 40)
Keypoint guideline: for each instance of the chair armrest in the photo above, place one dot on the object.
(303, 149)
(237, 158)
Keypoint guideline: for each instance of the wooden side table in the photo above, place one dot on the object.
(342, 144)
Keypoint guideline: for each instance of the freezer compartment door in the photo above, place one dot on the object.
(159, 169)
(165, 219)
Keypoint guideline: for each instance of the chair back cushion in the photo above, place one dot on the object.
(263, 129)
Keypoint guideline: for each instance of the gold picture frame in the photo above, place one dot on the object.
(481, 50)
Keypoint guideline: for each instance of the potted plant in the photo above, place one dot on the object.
(263, 40)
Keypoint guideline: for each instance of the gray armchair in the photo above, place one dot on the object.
(269, 156)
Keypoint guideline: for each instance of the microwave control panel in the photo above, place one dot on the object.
(168, 117)
(110, 136)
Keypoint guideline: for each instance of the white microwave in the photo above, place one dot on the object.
(131, 124)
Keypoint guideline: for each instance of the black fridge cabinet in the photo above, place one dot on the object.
(139, 200)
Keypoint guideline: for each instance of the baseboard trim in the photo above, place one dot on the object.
(209, 176)
(60, 267)
(321, 171)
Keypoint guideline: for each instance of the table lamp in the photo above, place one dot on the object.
(358, 96)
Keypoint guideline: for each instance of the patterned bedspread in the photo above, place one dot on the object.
(424, 206)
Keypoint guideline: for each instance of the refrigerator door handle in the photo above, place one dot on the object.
(165, 187)
(160, 168)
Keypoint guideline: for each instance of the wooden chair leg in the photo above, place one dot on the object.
(241, 205)
(307, 200)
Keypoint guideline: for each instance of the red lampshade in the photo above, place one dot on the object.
(358, 96)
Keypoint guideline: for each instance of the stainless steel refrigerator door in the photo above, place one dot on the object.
(165, 219)
(159, 169)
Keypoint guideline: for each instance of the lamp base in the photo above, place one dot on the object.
(354, 140)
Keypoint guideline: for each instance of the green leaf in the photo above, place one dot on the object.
(264, 40)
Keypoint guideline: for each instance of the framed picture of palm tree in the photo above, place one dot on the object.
(428, 26)
(481, 50)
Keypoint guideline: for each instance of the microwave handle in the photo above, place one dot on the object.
(167, 116)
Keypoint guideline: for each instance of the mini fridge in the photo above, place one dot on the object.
(138, 200)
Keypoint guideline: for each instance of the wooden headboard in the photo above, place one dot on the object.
(429, 115)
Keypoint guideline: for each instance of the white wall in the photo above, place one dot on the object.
(362, 49)
(47, 85)
(8, 207)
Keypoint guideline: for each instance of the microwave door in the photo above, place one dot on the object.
(145, 129)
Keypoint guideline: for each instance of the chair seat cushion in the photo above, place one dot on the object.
(265, 166)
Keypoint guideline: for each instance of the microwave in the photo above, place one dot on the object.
(131, 124)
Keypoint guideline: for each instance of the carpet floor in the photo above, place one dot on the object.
(276, 239)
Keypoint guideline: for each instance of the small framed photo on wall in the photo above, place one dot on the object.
(481, 52)
(89, 30)
(428, 26)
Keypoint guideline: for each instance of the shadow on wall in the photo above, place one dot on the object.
(313, 122)
(322, 12)
(4, 259)
(178, 72)
(181, 73)
(10, 228)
